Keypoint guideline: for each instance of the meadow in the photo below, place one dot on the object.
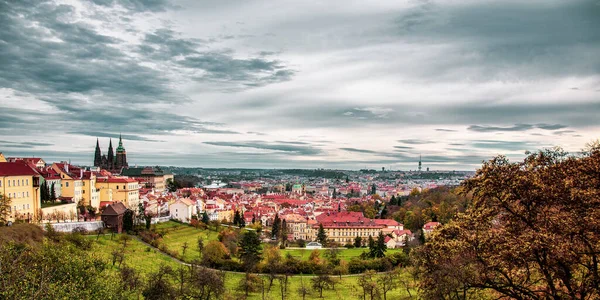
(145, 260)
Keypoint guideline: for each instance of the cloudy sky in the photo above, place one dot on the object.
(277, 84)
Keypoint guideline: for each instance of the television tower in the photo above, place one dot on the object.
(420, 163)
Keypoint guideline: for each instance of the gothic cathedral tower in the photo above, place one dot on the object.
(121, 155)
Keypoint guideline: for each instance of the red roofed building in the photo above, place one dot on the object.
(429, 227)
(21, 183)
(35, 162)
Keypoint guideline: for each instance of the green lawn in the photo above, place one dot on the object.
(146, 260)
(345, 254)
(137, 255)
(177, 234)
(347, 288)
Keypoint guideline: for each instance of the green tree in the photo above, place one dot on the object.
(276, 228)
(284, 232)
(372, 247)
(358, 242)
(236, 218)
(158, 286)
(52, 192)
(381, 247)
(321, 235)
(128, 220)
(249, 249)
(205, 218)
(172, 185)
(531, 232)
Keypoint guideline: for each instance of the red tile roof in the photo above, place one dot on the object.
(19, 168)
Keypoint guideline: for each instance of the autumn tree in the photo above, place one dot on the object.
(206, 283)
(367, 281)
(532, 232)
(322, 282)
(213, 254)
(388, 282)
(4, 209)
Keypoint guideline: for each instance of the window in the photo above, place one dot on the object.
(67, 184)
(27, 194)
(84, 183)
(117, 187)
(14, 184)
(123, 187)
(27, 206)
(26, 181)
(0, 183)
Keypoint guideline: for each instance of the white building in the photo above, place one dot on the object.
(183, 210)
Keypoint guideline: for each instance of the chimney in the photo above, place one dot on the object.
(80, 173)
(67, 168)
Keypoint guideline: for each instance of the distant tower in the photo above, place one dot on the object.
(110, 164)
(121, 155)
(98, 155)
(420, 164)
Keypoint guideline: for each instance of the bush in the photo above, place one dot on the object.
(80, 230)
(349, 246)
(79, 241)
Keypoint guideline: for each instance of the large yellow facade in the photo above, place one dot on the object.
(24, 195)
(123, 190)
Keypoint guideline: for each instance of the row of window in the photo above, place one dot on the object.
(16, 182)
(18, 195)
(15, 207)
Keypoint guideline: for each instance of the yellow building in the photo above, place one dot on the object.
(21, 184)
(119, 189)
(71, 182)
(297, 225)
(90, 194)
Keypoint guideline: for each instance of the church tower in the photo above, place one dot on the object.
(111, 157)
(97, 155)
(121, 155)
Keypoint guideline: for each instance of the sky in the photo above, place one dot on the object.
(299, 84)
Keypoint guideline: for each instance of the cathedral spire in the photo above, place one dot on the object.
(111, 156)
(120, 148)
(97, 154)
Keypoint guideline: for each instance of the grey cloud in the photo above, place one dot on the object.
(516, 127)
(415, 141)
(507, 39)
(137, 5)
(504, 145)
(296, 149)
(445, 130)
(84, 62)
(550, 126)
(359, 150)
(131, 137)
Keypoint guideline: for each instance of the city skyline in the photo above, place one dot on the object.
(263, 84)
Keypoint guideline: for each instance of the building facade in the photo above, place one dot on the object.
(21, 184)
